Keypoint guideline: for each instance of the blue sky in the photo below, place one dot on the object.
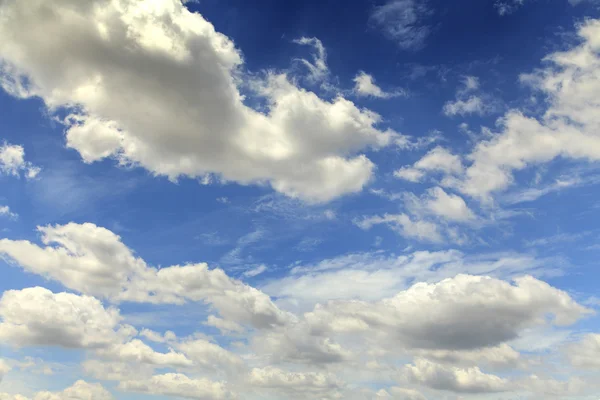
(304, 199)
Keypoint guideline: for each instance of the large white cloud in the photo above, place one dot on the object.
(36, 316)
(93, 260)
(457, 316)
(154, 85)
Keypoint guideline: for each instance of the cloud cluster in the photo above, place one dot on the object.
(152, 84)
(450, 343)
(80, 390)
(93, 260)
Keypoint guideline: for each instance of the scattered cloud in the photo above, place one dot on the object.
(12, 162)
(404, 22)
(364, 85)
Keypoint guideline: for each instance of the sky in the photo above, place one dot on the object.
(227, 199)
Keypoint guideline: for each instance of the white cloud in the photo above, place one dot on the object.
(438, 159)
(138, 352)
(586, 352)
(116, 371)
(12, 162)
(80, 390)
(4, 369)
(364, 85)
(409, 174)
(457, 316)
(38, 317)
(179, 385)
(208, 355)
(441, 204)
(93, 260)
(568, 128)
(5, 211)
(470, 105)
(255, 271)
(462, 380)
(156, 86)
(405, 226)
(375, 276)
(294, 384)
(403, 21)
(223, 325)
(467, 102)
(318, 69)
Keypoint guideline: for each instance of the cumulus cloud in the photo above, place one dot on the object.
(469, 100)
(12, 162)
(179, 385)
(586, 352)
(458, 313)
(38, 317)
(438, 159)
(404, 22)
(437, 202)
(294, 384)
(568, 128)
(467, 380)
(94, 260)
(364, 85)
(81, 390)
(152, 84)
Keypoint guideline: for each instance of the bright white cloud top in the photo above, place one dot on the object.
(186, 216)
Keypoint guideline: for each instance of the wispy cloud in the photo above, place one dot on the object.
(404, 21)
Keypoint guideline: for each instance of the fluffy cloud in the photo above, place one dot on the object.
(79, 391)
(209, 355)
(364, 85)
(294, 384)
(457, 315)
(586, 352)
(437, 202)
(36, 316)
(403, 21)
(93, 260)
(468, 380)
(153, 85)
(138, 352)
(568, 128)
(12, 161)
(437, 160)
(181, 386)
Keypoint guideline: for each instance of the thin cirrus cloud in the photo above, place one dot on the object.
(404, 22)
